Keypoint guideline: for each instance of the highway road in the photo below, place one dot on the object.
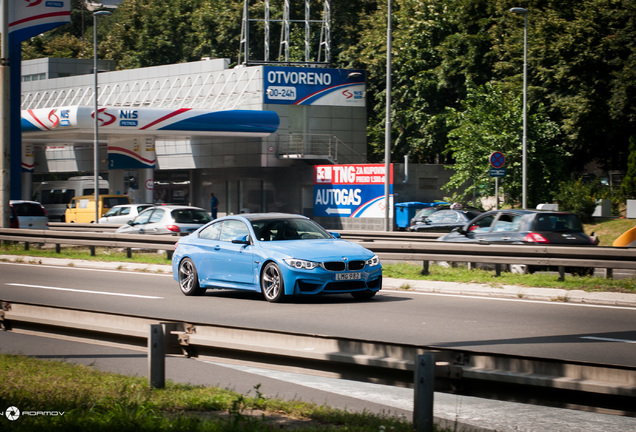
(573, 332)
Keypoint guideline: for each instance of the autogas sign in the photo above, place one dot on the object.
(350, 190)
(313, 86)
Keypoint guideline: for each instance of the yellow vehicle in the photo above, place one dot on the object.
(81, 209)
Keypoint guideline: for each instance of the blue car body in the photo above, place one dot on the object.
(250, 251)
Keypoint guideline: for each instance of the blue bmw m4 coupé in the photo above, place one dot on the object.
(277, 254)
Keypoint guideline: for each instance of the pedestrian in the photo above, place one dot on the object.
(214, 205)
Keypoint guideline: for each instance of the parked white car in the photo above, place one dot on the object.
(121, 214)
(28, 215)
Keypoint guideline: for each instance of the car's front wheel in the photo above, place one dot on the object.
(272, 285)
(189, 279)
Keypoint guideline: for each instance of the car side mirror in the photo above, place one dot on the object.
(244, 239)
(334, 234)
(130, 222)
(462, 230)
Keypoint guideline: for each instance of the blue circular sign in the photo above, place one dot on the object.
(497, 159)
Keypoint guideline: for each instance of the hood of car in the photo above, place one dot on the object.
(318, 250)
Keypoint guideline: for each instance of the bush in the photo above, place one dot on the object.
(579, 197)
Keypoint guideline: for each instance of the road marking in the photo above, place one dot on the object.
(609, 339)
(85, 291)
(478, 296)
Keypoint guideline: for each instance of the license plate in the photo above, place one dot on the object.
(348, 276)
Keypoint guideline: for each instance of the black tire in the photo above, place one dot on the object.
(363, 295)
(272, 285)
(189, 278)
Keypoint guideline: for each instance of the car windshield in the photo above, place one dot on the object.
(288, 229)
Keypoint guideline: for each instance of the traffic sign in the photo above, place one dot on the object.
(497, 172)
(497, 159)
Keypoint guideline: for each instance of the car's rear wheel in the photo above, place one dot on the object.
(189, 279)
(272, 285)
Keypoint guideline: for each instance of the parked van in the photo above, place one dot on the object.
(55, 195)
(81, 209)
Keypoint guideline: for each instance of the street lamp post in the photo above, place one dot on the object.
(387, 127)
(96, 114)
(524, 163)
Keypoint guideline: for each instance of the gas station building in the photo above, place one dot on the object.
(253, 135)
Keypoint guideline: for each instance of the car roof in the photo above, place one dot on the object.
(527, 211)
(262, 216)
(173, 207)
(23, 202)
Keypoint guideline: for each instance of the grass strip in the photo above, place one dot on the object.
(86, 399)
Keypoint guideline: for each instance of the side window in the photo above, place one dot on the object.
(482, 225)
(504, 223)
(142, 218)
(437, 217)
(156, 216)
(233, 229)
(124, 210)
(83, 203)
(211, 232)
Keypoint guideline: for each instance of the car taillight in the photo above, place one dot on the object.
(535, 238)
(173, 228)
(43, 210)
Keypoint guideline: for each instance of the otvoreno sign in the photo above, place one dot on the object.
(351, 190)
(314, 86)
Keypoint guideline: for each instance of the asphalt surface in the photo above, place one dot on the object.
(456, 412)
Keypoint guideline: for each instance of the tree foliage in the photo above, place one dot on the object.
(581, 69)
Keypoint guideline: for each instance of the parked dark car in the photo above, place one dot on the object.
(422, 214)
(445, 220)
(523, 227)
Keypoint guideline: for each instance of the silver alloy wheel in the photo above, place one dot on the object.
(188, 278)
(272, 283)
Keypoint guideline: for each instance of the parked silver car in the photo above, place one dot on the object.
(167, 219)
(121, 214)
(28, 215)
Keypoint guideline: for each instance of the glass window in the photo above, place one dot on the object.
(156, 216)
(124, 210)
(233, 229)
(482, 225)
(142, 218)
(211, 232)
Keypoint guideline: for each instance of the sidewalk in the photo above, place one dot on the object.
(427, 286)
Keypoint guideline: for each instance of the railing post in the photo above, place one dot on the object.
(156, 357)
(424, 391)
(561, 273)
(425, 265)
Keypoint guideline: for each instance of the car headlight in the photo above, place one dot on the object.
(374, 261)
(301, 264)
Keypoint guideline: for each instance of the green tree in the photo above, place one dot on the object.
(490, 119)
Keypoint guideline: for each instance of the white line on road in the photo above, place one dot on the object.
(609, 339)
(85, 291)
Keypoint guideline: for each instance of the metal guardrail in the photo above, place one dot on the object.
(504, 377)
(91, 239)
(607, 258)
